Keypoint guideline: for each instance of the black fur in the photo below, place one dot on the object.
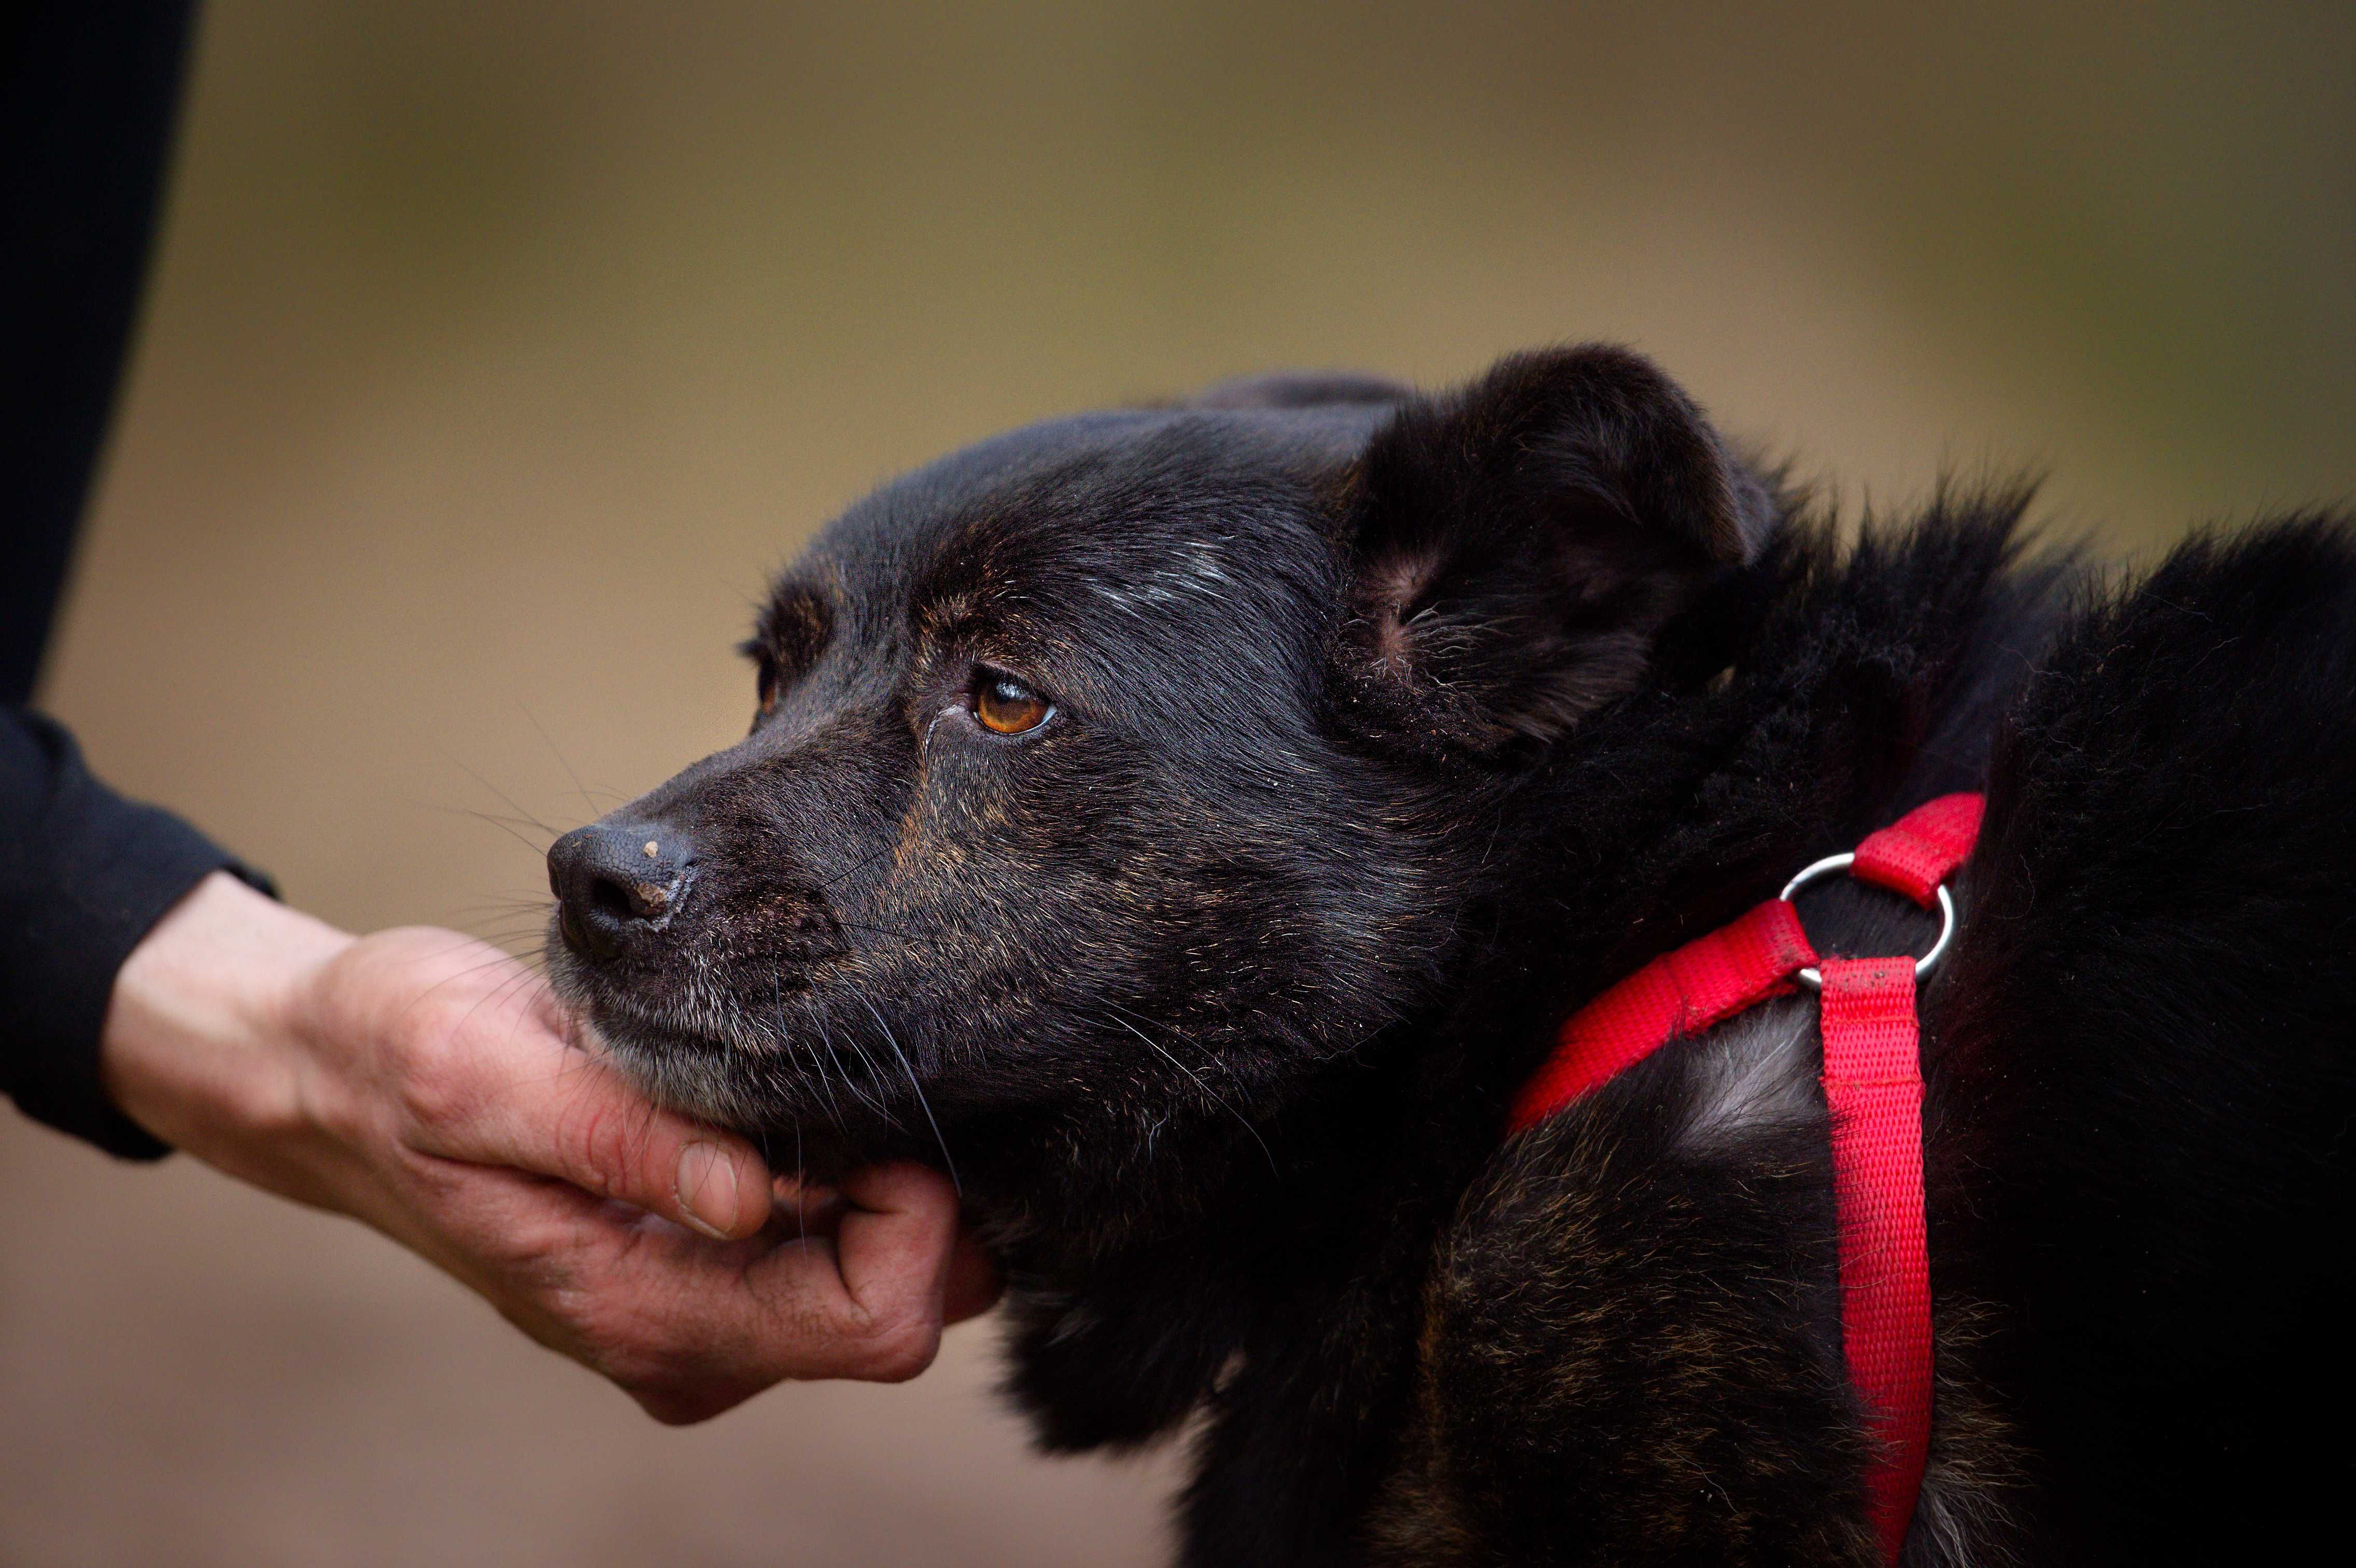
(1388, 730)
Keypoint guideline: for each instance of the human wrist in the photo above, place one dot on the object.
(199, 1045)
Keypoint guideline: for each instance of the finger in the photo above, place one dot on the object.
(867, 1304)
(548, 1108)
(973, 1285)
(897, 1238)
(689, 1327)
(800, 1209)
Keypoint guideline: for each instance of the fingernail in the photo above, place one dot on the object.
(707, 1189)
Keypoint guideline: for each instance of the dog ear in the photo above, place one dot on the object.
(1513, 548)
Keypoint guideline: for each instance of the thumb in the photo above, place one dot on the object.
(717, 1185)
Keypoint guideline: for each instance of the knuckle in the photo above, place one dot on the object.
(894, 1346)
(546, 1256)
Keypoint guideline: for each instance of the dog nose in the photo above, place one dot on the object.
(616, 884)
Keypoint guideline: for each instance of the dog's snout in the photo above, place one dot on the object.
(616, 884)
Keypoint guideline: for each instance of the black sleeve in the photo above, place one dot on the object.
(88, 94)
(88, 90)
(84, 874)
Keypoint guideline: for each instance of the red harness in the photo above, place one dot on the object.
(1873, 1087)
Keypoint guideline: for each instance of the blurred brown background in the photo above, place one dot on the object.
(496, 351)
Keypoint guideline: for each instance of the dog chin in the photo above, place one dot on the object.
(689, 1074)
(703, 1076)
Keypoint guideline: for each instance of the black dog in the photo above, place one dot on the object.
(1193, 823)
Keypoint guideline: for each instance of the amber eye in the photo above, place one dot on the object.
(1007, 706)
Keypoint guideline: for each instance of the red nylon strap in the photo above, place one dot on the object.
(1708, 979)
(1914, 854)
(1873, 1088)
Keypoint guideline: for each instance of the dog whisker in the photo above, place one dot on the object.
(1215, 1097)
(850, 1082)
(817, 1068)
(924, 1104)
(562, 761)
(512, 803)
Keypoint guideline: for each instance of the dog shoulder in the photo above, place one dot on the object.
(1622, 1357)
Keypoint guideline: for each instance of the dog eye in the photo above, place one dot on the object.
(1008, 706)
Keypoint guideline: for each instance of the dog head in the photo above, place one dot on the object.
(1100, 789)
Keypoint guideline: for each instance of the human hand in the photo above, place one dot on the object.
(427, 1084)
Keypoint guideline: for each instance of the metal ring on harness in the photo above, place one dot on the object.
(1814, 979)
